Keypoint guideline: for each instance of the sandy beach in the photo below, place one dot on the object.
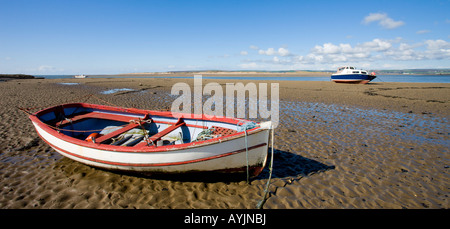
(338, 146)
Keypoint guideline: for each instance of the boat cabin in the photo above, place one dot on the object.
(350, 70)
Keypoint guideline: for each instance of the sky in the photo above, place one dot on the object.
(44, 37)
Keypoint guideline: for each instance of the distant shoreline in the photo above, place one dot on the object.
(229, 73)
(16, 76)
(304, 73)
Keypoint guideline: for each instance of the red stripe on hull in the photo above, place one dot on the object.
(153, 164)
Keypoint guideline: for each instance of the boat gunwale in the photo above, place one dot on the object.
(141, 149)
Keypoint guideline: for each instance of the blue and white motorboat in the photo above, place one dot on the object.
(349, 74)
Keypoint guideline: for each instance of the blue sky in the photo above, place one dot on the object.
(109, 37)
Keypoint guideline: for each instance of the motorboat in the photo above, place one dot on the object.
(348, 74)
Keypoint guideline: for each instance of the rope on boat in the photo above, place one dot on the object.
(205, 135)
(243, 126)
(266, 191)
(145, 133)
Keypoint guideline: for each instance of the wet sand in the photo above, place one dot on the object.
(381, 145)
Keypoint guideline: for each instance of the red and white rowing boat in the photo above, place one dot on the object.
(153, 142)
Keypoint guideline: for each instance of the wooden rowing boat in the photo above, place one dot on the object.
(153, 142)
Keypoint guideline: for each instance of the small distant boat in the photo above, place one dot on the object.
(349, 74)
(153, 142)
(80, 76)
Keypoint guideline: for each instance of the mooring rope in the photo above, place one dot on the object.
(246, 155)
(266, 191)
(244, 126)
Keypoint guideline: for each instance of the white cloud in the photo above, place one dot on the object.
(251, 65)
(283, 52)
(404, 52)
(423, 31)
(345, 52)
(49, 69)
(374, 17)
(329, 48)
(437, 49)
(244, 53)
(269, 52)
(46, 68)
(272, 52)
(376, 45)
(254, 47)
(383, 20)
(437, 44)
(378, 49)
(376, 52)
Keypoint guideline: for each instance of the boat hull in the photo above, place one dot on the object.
(229, 154)
(352, 78)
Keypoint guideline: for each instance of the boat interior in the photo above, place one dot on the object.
(133, 129)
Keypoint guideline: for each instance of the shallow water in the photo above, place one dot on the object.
(338, 118)
(112, 91)
(69, 84)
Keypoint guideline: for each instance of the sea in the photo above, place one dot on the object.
(380, 78)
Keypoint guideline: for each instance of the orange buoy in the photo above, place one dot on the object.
(92, 137)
